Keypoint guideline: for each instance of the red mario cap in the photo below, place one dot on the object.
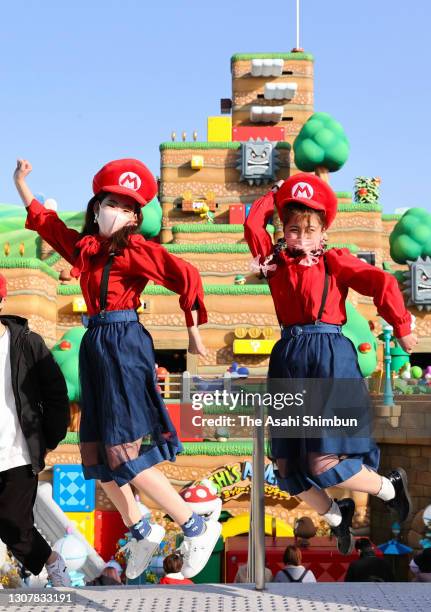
(3, 286)
(309, 190)
(129, 177)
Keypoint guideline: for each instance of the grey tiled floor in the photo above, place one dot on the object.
(323, 597)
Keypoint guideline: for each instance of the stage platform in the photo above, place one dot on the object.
(323, 597)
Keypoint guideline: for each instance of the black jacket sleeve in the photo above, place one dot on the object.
(53, 392)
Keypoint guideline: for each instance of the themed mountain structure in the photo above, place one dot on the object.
(267, 130)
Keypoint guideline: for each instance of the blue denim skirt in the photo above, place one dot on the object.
(318, 351)
(125, 426)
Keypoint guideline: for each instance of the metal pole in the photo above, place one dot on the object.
(257, 523)
(250, 546)
(388, 396)
(297, 24)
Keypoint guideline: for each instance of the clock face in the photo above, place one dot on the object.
(427, 515)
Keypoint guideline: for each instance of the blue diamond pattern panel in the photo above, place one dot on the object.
(71, 491)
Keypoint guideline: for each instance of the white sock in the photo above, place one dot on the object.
(387, 490)
(333, 516)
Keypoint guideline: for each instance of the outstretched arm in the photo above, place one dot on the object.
(45, 222)
(196, 346)
(23, 169)
(156, 263)
(381, 286)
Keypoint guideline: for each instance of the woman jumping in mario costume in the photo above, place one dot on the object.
(125, 428)
(309, 286)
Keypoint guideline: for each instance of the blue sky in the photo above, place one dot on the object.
(89, 81)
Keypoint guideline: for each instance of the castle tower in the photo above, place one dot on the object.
(271, 90)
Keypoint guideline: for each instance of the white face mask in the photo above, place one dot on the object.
(303, 244)
(110, 220)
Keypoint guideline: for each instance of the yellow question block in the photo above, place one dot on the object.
(197, 162)
(84, 523)
(219, 129)
(252, 347)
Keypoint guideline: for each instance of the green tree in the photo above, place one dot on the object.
(321, 146)
(152, 219)
(411, 236)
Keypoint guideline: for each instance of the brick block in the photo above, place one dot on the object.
(416, 490)
(181, 417)
(412, 451)
(421, 463)
(416, 421)
(84, 523)
(236, 214)
(71, 491)
(244, 133)
(400, 460)
(424, 478)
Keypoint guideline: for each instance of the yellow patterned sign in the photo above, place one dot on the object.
(253, 347)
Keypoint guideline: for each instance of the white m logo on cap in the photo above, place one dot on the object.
(302, 190)
(130, 180)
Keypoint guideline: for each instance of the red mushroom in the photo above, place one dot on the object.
(65, 345)
(203, 501)
(197, 494)
(365, 347)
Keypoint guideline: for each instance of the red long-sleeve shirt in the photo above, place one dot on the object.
(297, 289)
(169, 580)
(131, 270)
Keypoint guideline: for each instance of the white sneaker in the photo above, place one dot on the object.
(139, 552)
(58, 574)
(197, 550)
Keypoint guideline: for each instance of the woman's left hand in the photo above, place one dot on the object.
(196, 346)
(407, 343)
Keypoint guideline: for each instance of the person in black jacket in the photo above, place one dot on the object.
(368, 568)
(34, 415)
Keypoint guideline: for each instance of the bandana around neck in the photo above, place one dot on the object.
(88, 246)
(304, 258)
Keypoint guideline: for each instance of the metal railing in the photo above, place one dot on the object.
(170, 386)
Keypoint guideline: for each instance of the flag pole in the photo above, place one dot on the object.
(297, 24)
